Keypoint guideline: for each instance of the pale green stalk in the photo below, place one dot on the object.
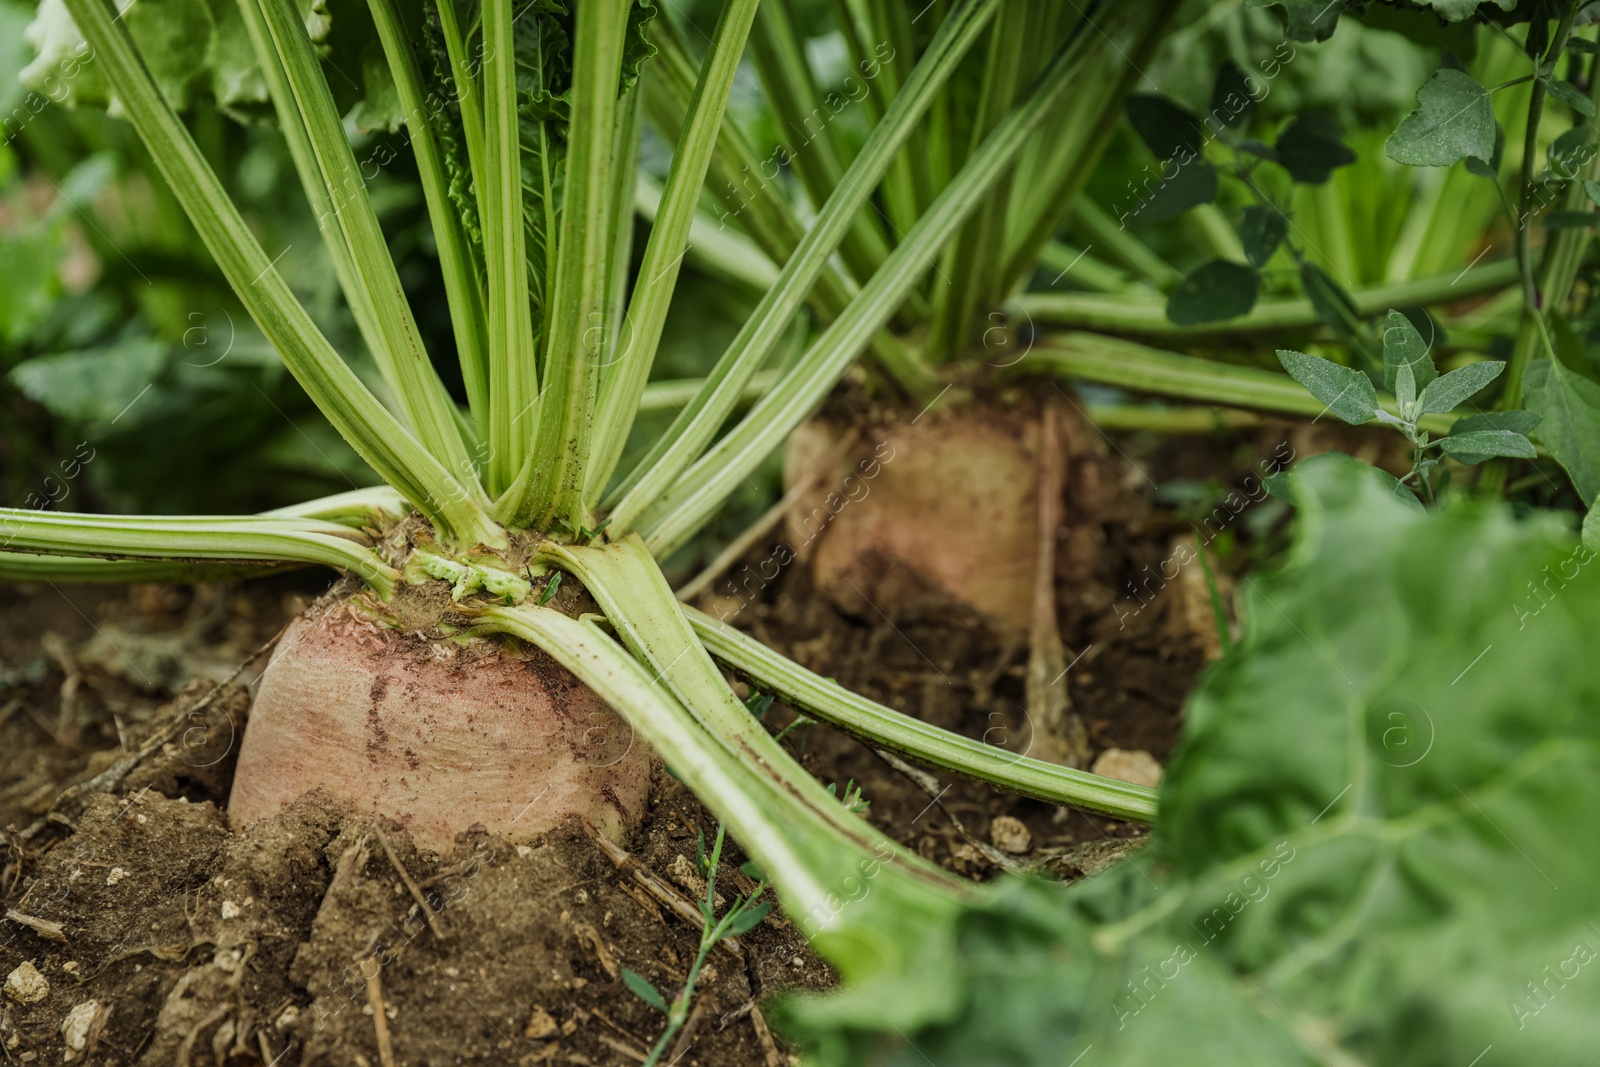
(693, 498)
(515, 411)
(549, 486)
(884, 727)
(669, 236)
(463, 286)
(400, 355)
(722, 251)
(372, 431)
(219, 537)
(687, 438)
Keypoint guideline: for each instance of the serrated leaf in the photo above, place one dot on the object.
(1164, 126)
(1232, 104)
(1403, 345)
(1572, 96)
(1310, 149)
(1449, 390)
(1455, 121)
(746, 920)
(1479, 445)
(1346, 391)
(1262, 231)
(640, 986)
(1214, 292)
(1191, 185)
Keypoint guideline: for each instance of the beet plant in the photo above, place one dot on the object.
(453, 678)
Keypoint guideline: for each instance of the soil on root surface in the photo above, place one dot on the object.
(159, 935)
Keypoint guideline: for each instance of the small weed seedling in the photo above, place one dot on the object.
(1419, 391)
(741, 917)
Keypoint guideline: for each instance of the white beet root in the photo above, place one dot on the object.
(436, 735)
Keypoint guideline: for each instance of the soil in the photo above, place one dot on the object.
(166, 937)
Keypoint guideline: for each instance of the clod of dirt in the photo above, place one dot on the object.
(26, 985)
(1010, 835)
(438, 735)
(1135, 767)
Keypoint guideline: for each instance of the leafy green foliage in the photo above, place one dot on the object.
(1305, 20)
(1451, 390)
(1347, 392)
(1262, 231)
(1214, 291)
(1568, 403)
(1455, 121)
(1404, 346)
(640, 987)
(1165, 127)
(1310, 149)
(1373, 837)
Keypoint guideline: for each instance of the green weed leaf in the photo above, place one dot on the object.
(640, 987)
(1232, 104)
(1338, 312)
(1455, 121)
(1572, 96)
(1569, 406)
(1404, 346)
(1164, 126)
(1262, 231)
(1347, 392)
(1479, 445)
(1213, 292)
(1304, 20)
(1310, 149)
(1521, 422)
(1191, 185)
(746, 920)
(1455, 388)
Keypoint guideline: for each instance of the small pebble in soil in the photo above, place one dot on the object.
(1136, 766)
(540, 1024)
(117, 874)
(1009, 835)
(26, 985)
(75, 1027)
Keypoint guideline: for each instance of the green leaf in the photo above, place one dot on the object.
(1262, 231)
(1370, 832)
(1569, 406)
(1572, 96)
(1338, 312)
(97, 387)
(1479, 445)
(1490, 169)
(1232, 103)
(1310, 149)
(1191, 185)
(1305, 20)
(1403, 345)
(1346, 391)
(640, 986)
(746, 920)
(1521, 422)
(1593, 189)
(1213, 292)
(1461, 10)
(1455, 388)
(1569, 152)
(1455, 121)
(1169, 130)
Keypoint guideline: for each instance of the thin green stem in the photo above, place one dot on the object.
(550, 485)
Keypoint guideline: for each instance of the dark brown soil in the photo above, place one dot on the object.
(169, 938)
